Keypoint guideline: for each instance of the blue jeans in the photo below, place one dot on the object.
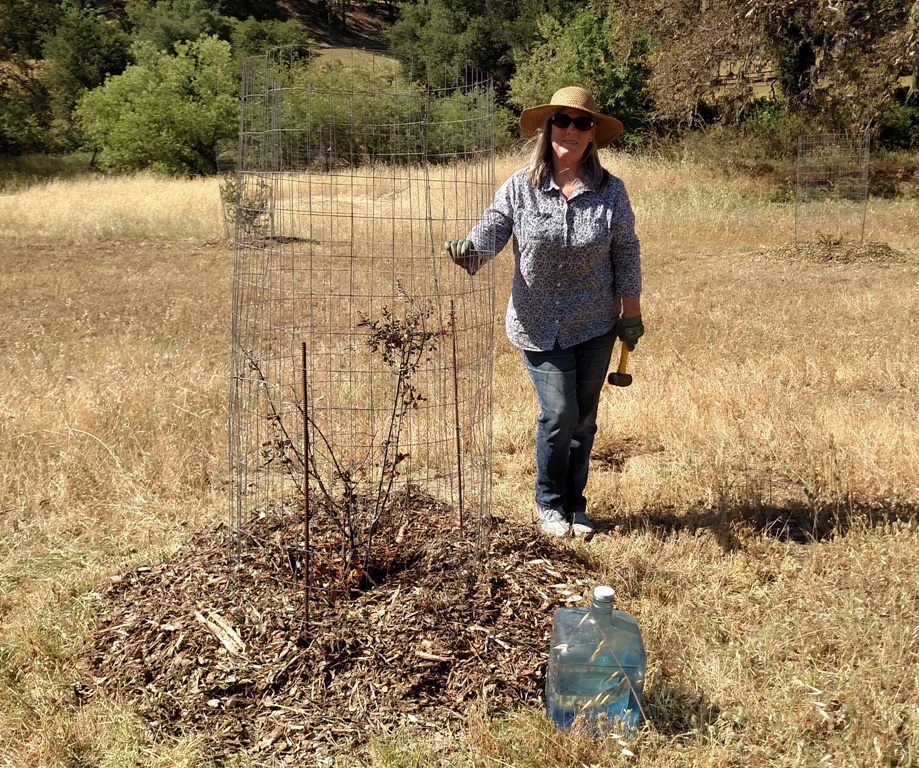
(568, 384)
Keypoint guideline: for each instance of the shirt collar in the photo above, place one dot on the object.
(586, 185)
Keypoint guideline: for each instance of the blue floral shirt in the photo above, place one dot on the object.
(573, 259)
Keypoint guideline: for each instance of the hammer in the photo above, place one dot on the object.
(620, 378)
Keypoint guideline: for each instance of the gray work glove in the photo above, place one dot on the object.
(463, 253)
(630, 329)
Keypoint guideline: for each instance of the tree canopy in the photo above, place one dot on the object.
(167, 22)
(23, 26)
(589, 50)
(84, 49)
(165, 113)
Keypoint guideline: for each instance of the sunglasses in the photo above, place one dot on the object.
(582, 123)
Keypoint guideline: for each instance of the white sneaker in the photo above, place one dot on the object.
(553, 521)
(582, 525)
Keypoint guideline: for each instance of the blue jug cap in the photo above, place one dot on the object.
(604, 594)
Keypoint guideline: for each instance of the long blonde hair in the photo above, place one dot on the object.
(539, 167)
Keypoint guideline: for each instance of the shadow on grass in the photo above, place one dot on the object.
(674, 712)
(754, 505)
(797, 523)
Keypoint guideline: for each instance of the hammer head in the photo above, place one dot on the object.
(619, 379)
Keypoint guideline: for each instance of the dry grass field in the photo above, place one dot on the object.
(756, 488)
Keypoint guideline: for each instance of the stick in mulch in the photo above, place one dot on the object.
(306, 498)
(459, 455)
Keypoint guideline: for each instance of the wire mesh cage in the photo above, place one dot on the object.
(361, 356)
(831, 194)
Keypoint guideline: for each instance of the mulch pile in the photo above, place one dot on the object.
(842, 252)
(214, 644)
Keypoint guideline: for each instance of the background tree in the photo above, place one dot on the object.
(590, 50)
(840, 60)
(24, 24)
(252, 37)
(254, 9)
(167, 22)
(432, 32)
(168, 113)
(23, 98)
(85, 48)
(458, 32)
(836, 61)
(548, 66)
(23, 110)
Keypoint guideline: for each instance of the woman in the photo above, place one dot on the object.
(577, 282)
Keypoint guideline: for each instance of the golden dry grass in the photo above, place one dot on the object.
(135, 207)
(757, 485)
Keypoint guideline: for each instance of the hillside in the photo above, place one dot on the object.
(366, 23)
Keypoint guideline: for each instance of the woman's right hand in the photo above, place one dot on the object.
(463, 253)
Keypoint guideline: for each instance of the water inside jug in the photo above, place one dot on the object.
(597, 667)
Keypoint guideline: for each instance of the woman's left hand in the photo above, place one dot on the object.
(630, 329)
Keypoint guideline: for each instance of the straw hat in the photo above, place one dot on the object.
(534, 118)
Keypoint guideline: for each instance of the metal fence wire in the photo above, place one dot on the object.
(361, 356)
(831, 193)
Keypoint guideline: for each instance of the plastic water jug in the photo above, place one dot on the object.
(597, 666)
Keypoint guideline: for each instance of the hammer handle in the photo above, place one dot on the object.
(623, 358)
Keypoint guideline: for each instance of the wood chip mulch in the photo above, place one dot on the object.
(841, 252)
(213, 643)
